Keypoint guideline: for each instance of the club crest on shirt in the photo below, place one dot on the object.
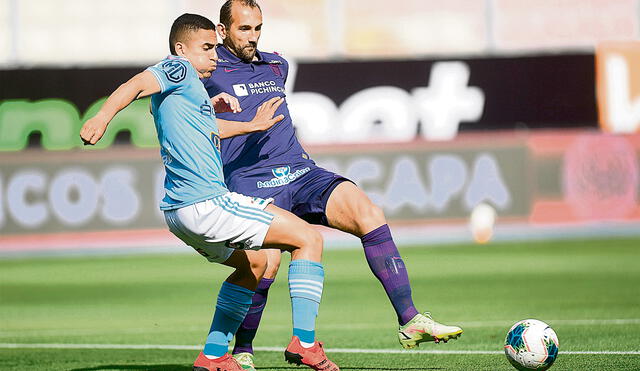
(215, 139)
(175, 71)
(283, 176)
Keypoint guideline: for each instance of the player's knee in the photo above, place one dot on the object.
(370, 216)
(312, 239)
(258, 266)
(273, 265)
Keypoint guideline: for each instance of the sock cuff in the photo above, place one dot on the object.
(265, 283)
(232, 293)
(302, 266)
(377, 236)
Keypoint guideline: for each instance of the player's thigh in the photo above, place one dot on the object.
(350, 210)
(248, 261)
(288, 232)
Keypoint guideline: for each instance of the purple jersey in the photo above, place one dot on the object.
(253, 84)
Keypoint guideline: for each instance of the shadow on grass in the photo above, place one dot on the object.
(353, 368)
(137, 367)
(189, 368)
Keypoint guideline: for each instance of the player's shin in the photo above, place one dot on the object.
(305, 288)
(247, 330)
(387, 265)
(231, 308)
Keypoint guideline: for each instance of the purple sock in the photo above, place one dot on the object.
(387, 265)
(248, 328)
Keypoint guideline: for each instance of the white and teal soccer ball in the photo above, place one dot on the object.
(531, 345)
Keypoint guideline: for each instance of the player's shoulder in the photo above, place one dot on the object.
(174, 68)
(273, 58)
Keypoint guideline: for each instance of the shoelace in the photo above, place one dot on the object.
(244, 358)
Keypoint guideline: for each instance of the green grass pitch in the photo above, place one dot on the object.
(588, 291)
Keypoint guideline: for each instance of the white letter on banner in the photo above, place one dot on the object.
(27, 214)
(382, 114)
(447, 101)
(487, 184)
(69, 211)
(405, 188)
(314, 116)
(121, 201)
(448, 175)
(624, 113)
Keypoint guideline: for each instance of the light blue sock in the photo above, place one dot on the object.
(233, 303)
(305, 288)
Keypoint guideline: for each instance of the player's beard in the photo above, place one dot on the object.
(246, 52)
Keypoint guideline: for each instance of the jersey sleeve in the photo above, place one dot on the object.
(285, 69)
(171, 74)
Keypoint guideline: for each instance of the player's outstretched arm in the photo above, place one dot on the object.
(139, 86)
(263, 120)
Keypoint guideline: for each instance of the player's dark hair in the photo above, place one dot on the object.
(225, 10)
(185, 24)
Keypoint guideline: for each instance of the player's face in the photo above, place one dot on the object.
(200, 50)
(244, 32)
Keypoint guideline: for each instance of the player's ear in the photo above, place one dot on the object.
(222, 31)
(180, 49)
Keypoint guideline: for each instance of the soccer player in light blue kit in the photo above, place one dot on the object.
(223, 226)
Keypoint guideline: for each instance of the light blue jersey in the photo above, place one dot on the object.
(188, 135)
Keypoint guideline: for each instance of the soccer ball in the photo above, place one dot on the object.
(531, 345)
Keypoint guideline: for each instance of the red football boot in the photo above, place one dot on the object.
(224, 363)
(313, 357)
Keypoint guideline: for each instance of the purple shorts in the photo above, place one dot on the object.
(303, 190)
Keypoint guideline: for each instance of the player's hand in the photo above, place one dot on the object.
(224, 102)
(264, 119)
(93, 130)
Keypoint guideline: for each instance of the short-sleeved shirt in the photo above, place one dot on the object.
(188, 135)
(253, 84)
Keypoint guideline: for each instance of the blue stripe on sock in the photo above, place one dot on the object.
(305, 288)
(304, 335)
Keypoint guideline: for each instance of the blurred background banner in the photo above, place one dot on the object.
(432, 107)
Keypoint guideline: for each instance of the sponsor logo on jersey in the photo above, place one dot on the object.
(166, 158)
(175, 71)
(240, 90)
(205, 109)
(262, 87)
(274, 61)
(283, 176)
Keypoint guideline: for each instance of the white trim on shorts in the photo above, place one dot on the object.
(218, 226)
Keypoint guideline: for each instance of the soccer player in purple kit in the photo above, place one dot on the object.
(273, 164)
